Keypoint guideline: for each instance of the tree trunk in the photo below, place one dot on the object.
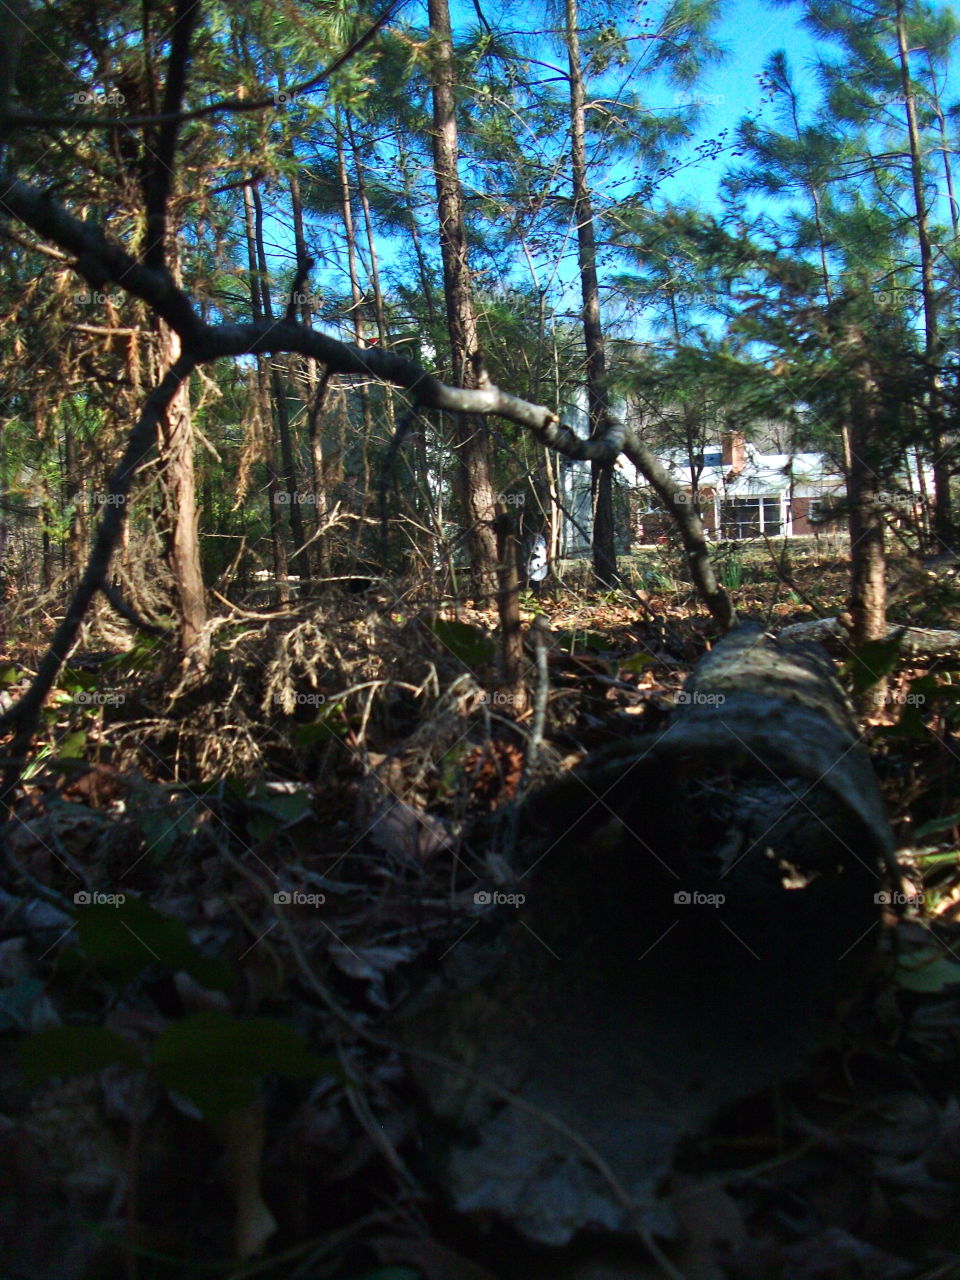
(75, 545)
(378, 304)
(314, 395)
(180, 500)
(349, 230)
(601, 473)
(257, 291)
(278, 385)
(426, 284)
(942, 515)
(473, 441)
(512, 687)
(423, 503)
(868, 564)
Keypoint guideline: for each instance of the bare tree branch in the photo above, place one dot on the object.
(101, 261)
(24, 714)
(690, 525)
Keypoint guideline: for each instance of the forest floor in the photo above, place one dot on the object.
(221, 888)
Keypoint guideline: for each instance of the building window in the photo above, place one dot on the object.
(751, 517)
(772, 520)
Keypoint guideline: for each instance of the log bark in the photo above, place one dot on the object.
(695, 904)
(914, 641)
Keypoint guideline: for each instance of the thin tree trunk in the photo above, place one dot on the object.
(418, 436)
(379, 308)
(278, 385)
(868, 564)
(378, 304)
(75, 544)
(604, 540)
(257, 291)
(180, 499)
(356, 293)
(473, 440)
(942, 515)
(426, 284)
(513, 687)
(314, 396)
(945, 150)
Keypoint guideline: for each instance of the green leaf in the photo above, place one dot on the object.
(11, 675)
(637, 662)
(75, 681)
(70, 1051)
(216, 1059)
(163, 831)
(72, 746)
(467, 643)
(17, 1001)
(935, 859)
(330, 725)
(124, 939)
(286, 806)
(930, 976)
(936, 826)
(874, 660)
(142, 657)
(595, 641)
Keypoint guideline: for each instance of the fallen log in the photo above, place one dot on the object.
(914, 641)
(690, 908)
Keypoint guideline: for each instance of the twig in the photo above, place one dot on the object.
(253, 614)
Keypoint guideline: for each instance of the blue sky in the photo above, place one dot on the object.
(750, 31)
